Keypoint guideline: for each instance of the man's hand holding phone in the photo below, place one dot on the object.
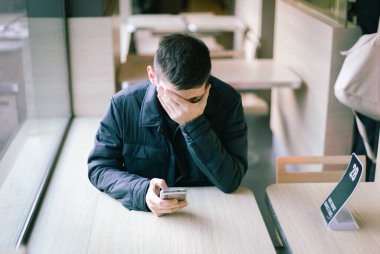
(160, 206)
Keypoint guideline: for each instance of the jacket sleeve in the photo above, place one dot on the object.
(223, 158)
(105, 164)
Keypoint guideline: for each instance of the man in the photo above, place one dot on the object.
(182, 127)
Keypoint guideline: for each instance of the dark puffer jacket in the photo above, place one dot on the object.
(134, 144)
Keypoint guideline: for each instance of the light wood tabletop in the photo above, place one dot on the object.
(213, 222)
(296, 212)
(218, 23)
(251, 75)
(213, 23)
(161, 23)
(77, 218)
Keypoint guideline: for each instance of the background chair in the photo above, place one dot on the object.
(284, 176)
(133, 70)
(252, 103)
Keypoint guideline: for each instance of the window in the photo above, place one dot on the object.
(35, 107)
(340, 10)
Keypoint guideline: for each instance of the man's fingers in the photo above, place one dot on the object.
(173, 100)
(160, 182)
(171, 209)
(172, 206)
(179, 101)
(170, 100)
(167, 104)
(165, 206)
(166, 203)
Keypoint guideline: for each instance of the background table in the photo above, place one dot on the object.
(251, 75)
(160, 23)
(217, 23)
(296, 211)
(213, 222)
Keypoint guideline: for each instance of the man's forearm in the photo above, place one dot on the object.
(225, 168)
(128, 188)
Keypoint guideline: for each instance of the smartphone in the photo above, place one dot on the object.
(173, 193)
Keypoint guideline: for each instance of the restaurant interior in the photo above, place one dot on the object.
(61, 61)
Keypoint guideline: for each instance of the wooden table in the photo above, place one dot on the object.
(213, 23)
(160, 23)
(77, 218)
(296, 211)
(218, 23)
(243, 75)
(155, 23)
(213, 222)
(251, 75)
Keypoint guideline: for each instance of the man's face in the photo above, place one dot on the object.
(193, 95)
(182, 106)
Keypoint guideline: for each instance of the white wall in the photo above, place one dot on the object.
(46, 76)
(92, 64)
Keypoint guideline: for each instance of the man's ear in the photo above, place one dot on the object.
(151, 75)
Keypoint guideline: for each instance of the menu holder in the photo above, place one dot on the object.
(336, 215)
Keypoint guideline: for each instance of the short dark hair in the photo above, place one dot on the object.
(183, 60)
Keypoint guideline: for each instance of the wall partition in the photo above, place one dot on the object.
(35, 106)
(310, 120)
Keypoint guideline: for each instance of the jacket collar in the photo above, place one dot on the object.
(151, 110)
(150, 114)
